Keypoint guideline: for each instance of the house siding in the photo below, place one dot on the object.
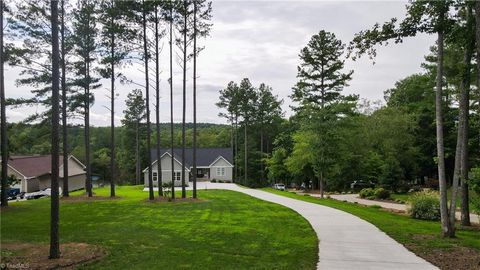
(221, 163)
(167, 172)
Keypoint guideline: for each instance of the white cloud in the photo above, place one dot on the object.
(261, 40)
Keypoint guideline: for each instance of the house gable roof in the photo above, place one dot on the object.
(36, 165)
(205, 156)
(161, 157)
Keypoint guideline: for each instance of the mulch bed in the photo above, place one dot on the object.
(177, 200)
(459, 258)
(35, 256)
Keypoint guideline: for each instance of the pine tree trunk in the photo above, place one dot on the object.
(64, 106)
(55, 207)
(147, 93)
(3, 120)
(246, 154)
(137, 154)
(477, 38)
(112, 112)
(446, 226)
(236, 149)
(261, 155)
(464, 117)
(194, 99)
(87, 129)
(184, 101)
(171, 101)
(322, 186)
(157, 89)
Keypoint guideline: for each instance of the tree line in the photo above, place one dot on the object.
(427, 133)
(64, 50)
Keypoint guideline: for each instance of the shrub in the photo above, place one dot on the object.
(367, 193)
(425, 205)
(381, 193)
(213, 180)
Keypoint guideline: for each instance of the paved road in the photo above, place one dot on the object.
(387, 205)
(346, 241)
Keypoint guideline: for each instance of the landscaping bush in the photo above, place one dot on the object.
(425, 205)
(213, 180)
(381, 193)
(367, 193)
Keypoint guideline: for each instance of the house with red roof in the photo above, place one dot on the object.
(34, 172)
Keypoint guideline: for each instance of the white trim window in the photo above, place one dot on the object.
(155, 176)
(178, 176)
(220, 171)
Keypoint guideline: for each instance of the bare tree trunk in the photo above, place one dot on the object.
(147, 93)
(157, 89)
(261, 154)
(446, 226)
(55, 207)
(3, 128)
(322, 185)
(137, 154)
(112, 112)
(171, 100)
(184, 103)
(477, 38)
(246, 155)
(88, 181)
(64, 106)
(464, 115)
(194, 99)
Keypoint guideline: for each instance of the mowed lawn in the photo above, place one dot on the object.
(420, 235)
(225, 230)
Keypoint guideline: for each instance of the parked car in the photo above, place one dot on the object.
(42, 193)
(359, 184)
(279, 187)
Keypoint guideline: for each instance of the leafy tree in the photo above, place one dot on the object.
(201, 28)
(85, 31)
(268, 110)
(421, 17)
(321, 79)
(134, 114)
(230, 102)
(247, 96)
(115, 47)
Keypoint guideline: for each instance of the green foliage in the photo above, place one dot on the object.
(367, 193)
(425, 205)
(381, 194)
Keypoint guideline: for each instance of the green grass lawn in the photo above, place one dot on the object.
(226, 230)
(419, 234)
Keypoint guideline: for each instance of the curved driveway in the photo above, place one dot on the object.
(345, 241)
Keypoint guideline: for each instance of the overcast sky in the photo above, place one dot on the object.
(261, 40)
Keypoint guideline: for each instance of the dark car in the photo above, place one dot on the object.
(13, 193)
(359, 184)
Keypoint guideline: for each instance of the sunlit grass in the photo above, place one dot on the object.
(225, 230)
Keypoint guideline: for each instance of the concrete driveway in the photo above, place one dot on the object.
(345, 241)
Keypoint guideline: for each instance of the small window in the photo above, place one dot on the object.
(178, 176)
(220, 171)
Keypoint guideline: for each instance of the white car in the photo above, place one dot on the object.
(42, 193)
(279, 187)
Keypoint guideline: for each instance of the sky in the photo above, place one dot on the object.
(260, 40)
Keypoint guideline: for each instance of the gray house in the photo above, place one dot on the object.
(34, 172)
(212, 163)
